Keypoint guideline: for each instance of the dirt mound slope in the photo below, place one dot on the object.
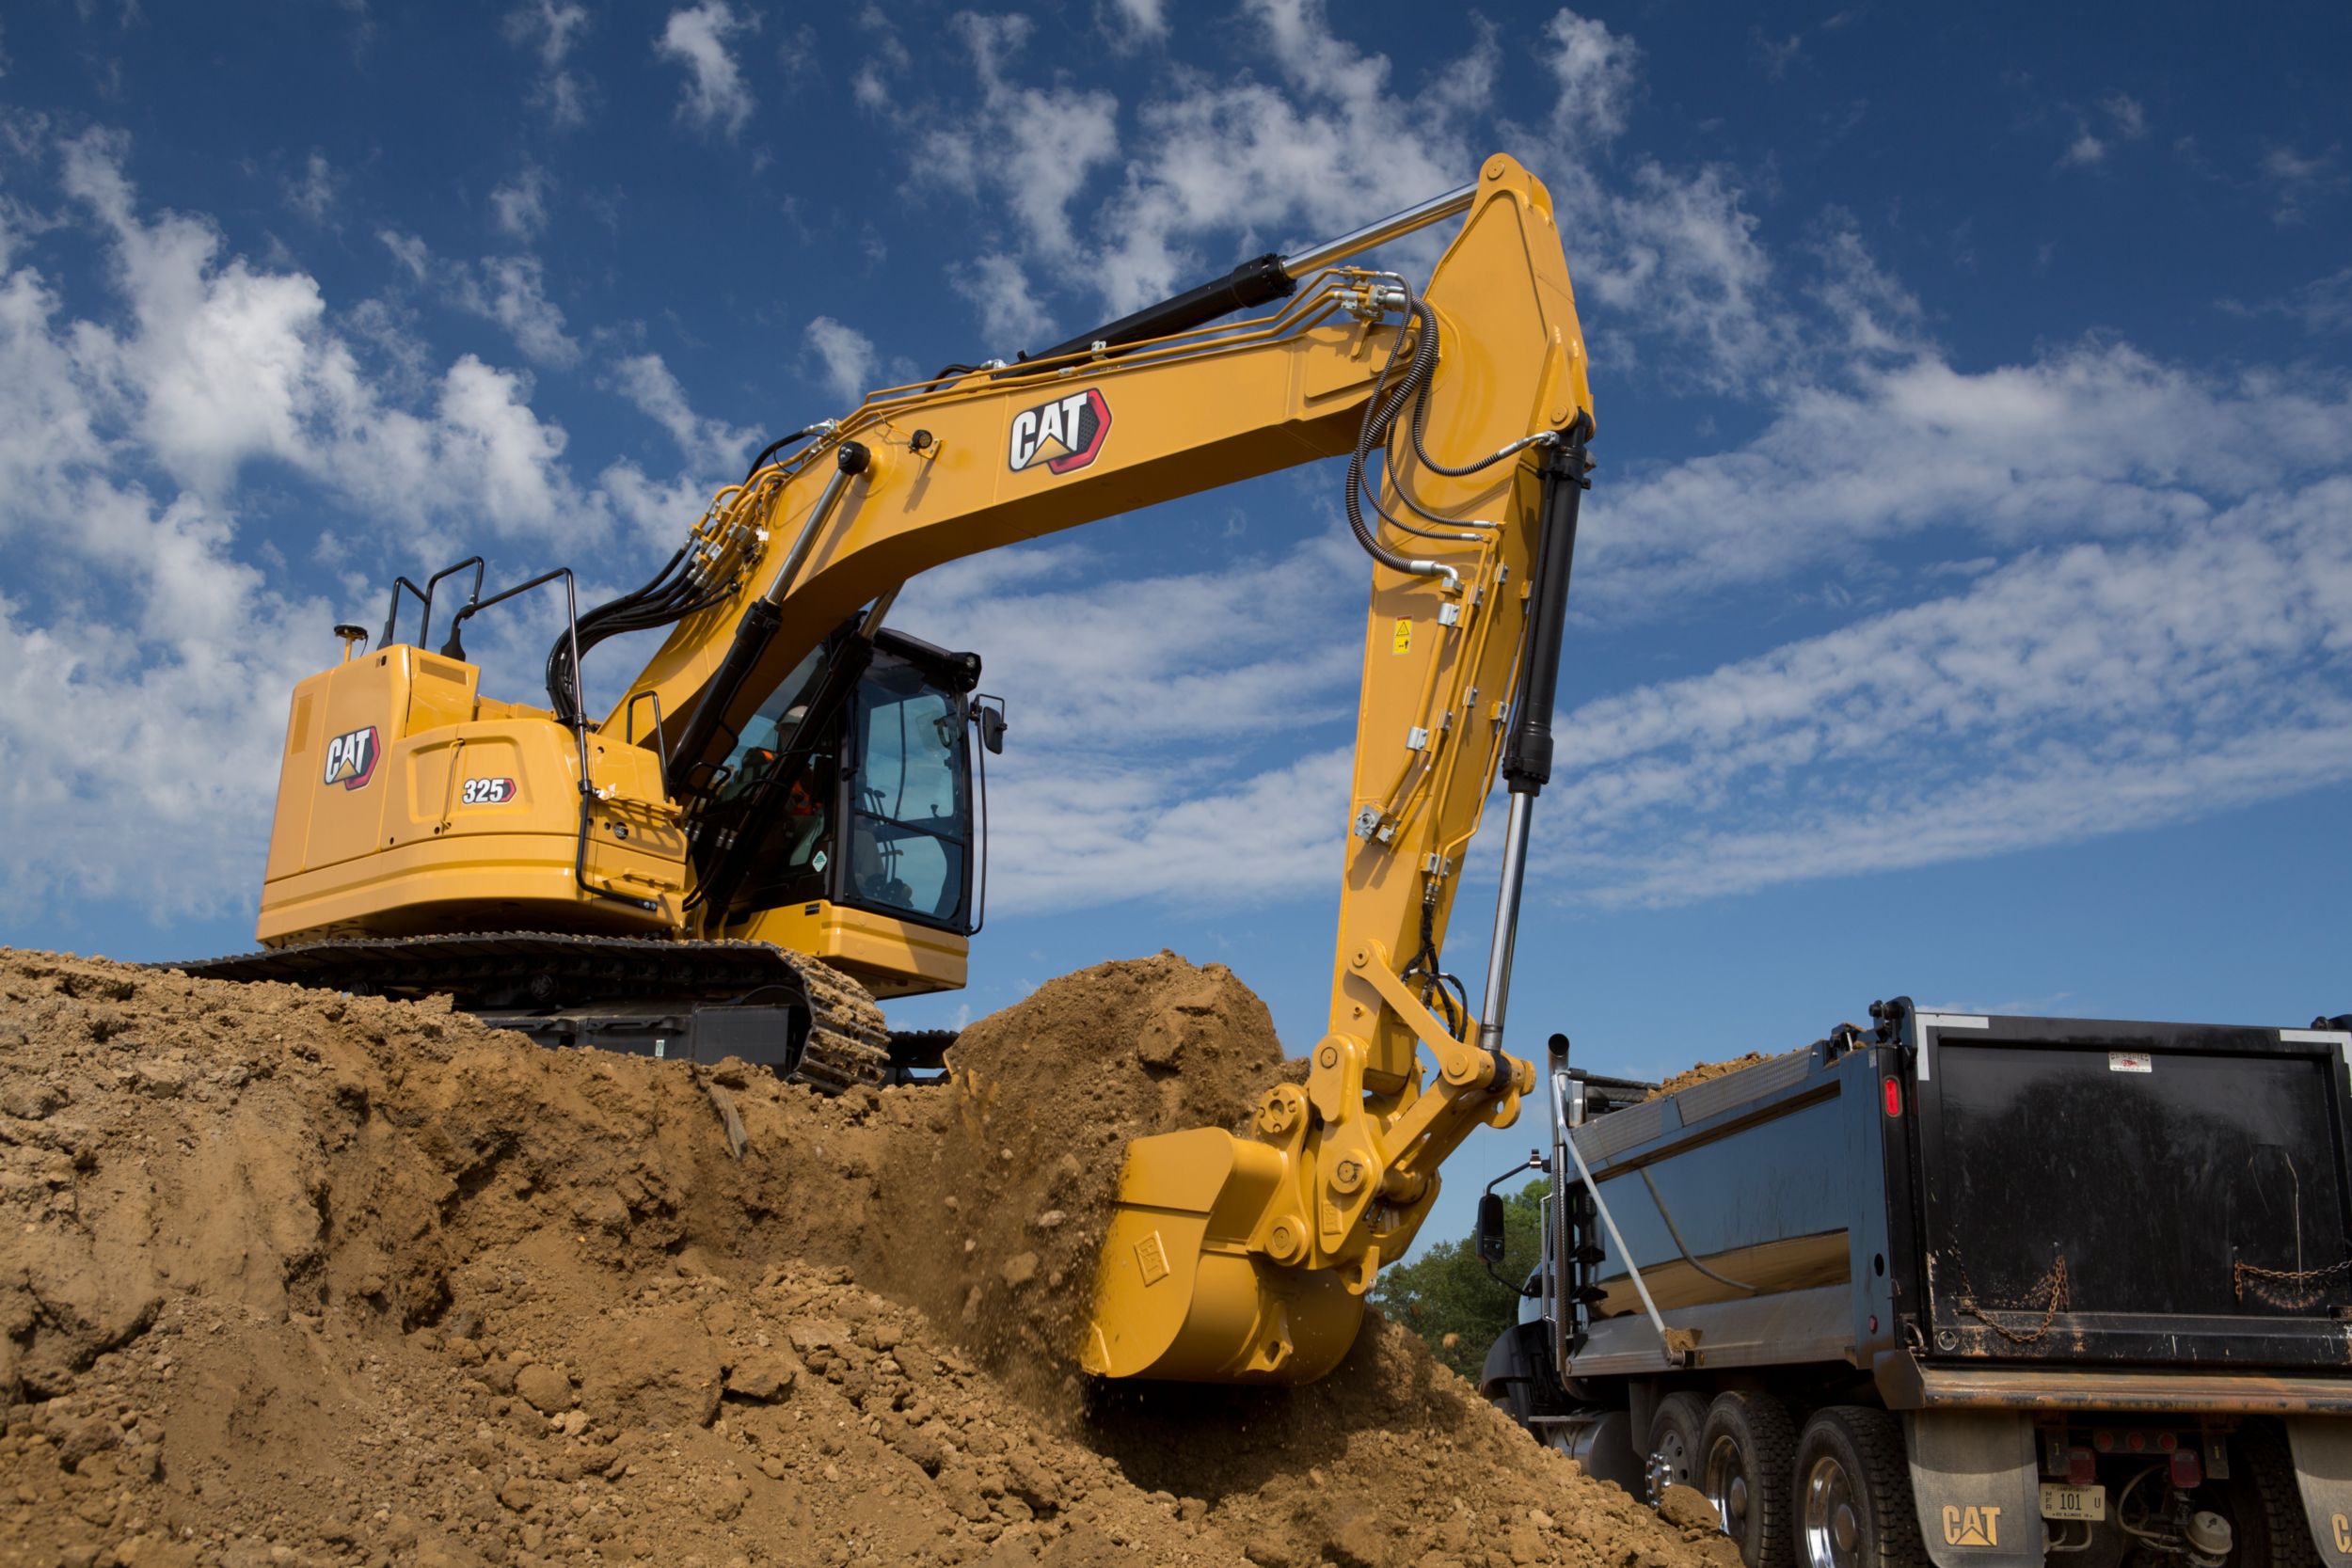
(297, 1280)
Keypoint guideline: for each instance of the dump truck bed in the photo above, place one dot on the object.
(1989, 1191)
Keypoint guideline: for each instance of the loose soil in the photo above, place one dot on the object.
(1706, 1072)
(296, 1280)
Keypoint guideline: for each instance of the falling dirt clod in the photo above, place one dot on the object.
(300, 1279)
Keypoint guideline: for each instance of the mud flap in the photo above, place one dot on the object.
(2322, 1446)
(1974, 1479)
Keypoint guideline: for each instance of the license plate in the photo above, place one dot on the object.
(2074, 1502)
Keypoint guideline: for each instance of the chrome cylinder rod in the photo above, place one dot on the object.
(1506, 921)
(1395, 226)
(850, 459)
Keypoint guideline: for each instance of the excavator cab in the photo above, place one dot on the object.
(846, 818)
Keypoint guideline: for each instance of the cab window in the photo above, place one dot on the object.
(910, 823)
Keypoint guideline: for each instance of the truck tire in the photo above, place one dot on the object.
(2267, 1506)
(1747, 1453)
(1671, 1455)
(1853, 1507)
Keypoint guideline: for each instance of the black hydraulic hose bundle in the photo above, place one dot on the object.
(668, 598)
(671, 596)
(1380, 416)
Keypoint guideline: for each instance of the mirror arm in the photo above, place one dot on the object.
(1489, 1202)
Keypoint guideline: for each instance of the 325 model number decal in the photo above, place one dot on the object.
(488, 792)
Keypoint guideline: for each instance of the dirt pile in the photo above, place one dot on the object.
(1706, 1072)
(295, 1279)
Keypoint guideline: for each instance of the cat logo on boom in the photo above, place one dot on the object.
(351, 758)
(1065, 434)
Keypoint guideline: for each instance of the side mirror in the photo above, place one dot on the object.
(993, 730)
(1490, 1227)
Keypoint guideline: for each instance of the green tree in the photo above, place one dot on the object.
(1447, 1296)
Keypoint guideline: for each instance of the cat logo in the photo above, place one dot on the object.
(351, 758)
(1971, 1526)
(2342, 1527)
(1065, 434)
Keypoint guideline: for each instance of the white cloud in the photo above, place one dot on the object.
(2085, 151)
(137, 430)
(2127, 122)
(1035, 147)
(1011, 316)
(512, 292)
(886, 56)
(1680, 255)
(550, 28)
(1198, 719)
(314, 195)
(2323, 305)
(716, 93)
(2074, 691)
(1594, 69)
(220, 366)
(408, 250)
(519, 207)
(1217, 167)
(1134, 21)
(2298, 183)
(850, 361)
(2082, 441)
(709, 446)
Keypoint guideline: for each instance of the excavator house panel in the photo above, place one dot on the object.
(398, 814)
(888, 957)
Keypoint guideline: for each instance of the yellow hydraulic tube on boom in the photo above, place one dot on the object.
(775, 823)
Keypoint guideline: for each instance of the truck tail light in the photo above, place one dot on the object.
(1894, 1097)
(2187, 1470)
(2082, 1467)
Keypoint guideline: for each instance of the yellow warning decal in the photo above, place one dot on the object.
(1401, 641)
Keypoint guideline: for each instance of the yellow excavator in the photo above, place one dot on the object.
(781, 818)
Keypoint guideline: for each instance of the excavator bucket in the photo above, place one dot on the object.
(1179, 1292)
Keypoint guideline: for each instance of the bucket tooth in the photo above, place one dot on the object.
(1179, 1293)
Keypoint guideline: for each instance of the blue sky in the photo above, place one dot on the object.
(1966, 600)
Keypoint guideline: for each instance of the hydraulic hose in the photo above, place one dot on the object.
(1379, 415)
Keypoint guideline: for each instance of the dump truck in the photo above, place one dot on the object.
(1981, 1291)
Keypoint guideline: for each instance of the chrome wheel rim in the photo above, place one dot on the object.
(1669, 1465)
(1833, 1516)
(1727, 1486)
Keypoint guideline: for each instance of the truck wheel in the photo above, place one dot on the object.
(2265, 1504)
(1853, 1507)
(1747, 1451)
(1671, 1458)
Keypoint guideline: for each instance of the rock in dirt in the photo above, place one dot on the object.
(380, 1285)
(1687, 1508)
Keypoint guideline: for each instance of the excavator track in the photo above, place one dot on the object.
(846, 1043)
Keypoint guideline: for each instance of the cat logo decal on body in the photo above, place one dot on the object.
(351, 758)
(1065, 434)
